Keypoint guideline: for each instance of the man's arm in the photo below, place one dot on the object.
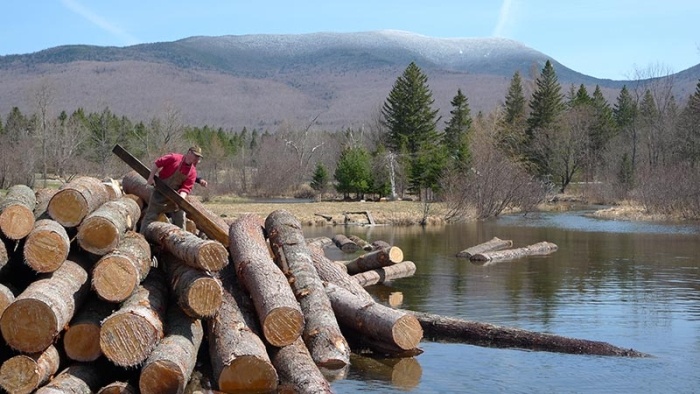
(201, 181)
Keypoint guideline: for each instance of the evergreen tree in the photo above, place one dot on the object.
(353, 172)
(689, 129)
(604, 125)
(511, 129)
(581, 97)
(319, 181)
(456, 137)
(648, 117)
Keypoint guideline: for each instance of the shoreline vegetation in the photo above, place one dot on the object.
(401, 213)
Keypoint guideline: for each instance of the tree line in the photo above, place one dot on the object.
(541, 140)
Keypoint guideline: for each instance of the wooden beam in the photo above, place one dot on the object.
(201, 220)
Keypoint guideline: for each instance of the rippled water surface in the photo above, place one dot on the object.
(631, 284)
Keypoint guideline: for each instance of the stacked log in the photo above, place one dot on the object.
(206, 255)
(24, 373)
(197, 292)
(17, 212)
(81, 340)
(116, 275)
(101, 230)
(76, 199)
(47, 246)
(77, 378)
(400, 270)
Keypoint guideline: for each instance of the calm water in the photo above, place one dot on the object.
(633, 285)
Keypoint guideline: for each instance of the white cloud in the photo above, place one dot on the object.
(504, 16)
(123, 36)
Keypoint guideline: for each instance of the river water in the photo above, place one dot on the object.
(631, 284)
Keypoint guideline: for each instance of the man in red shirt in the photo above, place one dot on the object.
(180, 173)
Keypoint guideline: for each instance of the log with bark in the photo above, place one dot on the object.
(279, 313)
(375, 259)
(197, 292)
(329, 271)
(297, 371)
(78, 378)
(81, 339)
(364, 245)
(24, 373)
(36, 317)
(539, 249)
(134, 183)
(119, 272)
(239, 359)
(448, 329)
(43, 196)
(321, 334)
(206, 255)
(46, 246)
(345, 244)
(17, 212)
(319, 242)
(170, 365)
(400, 270)
(101, 230)
(7, 297)
(118, 387)
(129, 335)
(76, 199)
(379, 244)
(491, 245)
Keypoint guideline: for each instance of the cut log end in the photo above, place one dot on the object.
(68, 207)
(45, 251)
(98, 235)
(16, 221)
(249, 374)
(127, 339)
(204, 297)
(213, 256)
(114, 278)
(407, 332)
(81, 342)
(395, 254)
(283, 326)
(28, 325)
(18, 374)
(160, 377)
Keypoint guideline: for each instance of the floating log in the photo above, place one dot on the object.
(197, 292)
(400, 270)
(320, 242)
(24, 373)
(379, 244)
(538, 249)
(129, 335)
(47, 246)
(390, 326)
(119, 272)
(206, 255)
(441, 328)
(170, 365)
(321, 334)
(76, 199)
(375, 259)
(239, 359)
(364, 245)
(82, 378)
(17, 212)
(101, 230)
(36, 317)
(297, 371)
(81, 339)
(279, 313)
(492, 245)
(345, 244)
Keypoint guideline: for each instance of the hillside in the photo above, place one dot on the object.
(272, 81)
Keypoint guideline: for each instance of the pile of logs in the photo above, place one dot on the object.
(89, 305)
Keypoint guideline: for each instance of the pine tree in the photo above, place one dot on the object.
(511, 129)
(689, 127)
(353, 172)
(319, 181)
(456, 137)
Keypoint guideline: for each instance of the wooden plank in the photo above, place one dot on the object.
(201, 220)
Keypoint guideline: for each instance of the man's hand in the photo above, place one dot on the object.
(201, 181)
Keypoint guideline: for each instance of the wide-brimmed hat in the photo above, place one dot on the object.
(196, 150)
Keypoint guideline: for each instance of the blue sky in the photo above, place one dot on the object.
(603, 38)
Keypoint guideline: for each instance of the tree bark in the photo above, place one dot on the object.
(129, 335)
(538, 249)
(375, 259)
(400, 270)
(280, 315)
(240, 362)
(170, 365)
(492, 245)
(197, 292)
(47, 246)
(7, 297)
(101, 230)
(330, 271)
(134, 183)
(442, 328)
(76, 379)
(17, 212)
(36, 317)
(321, 334)
(297, 371)
(216, 219)
(119, 272)
(206, 255)
(345, 244)
(23, 373)
(364, 245)
(76, 199)
(81, 340)
(378, 244)
(118, 388)
(43, 196)
(387, 325)
(320, 242)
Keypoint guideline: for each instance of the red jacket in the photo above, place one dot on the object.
(169, 163)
